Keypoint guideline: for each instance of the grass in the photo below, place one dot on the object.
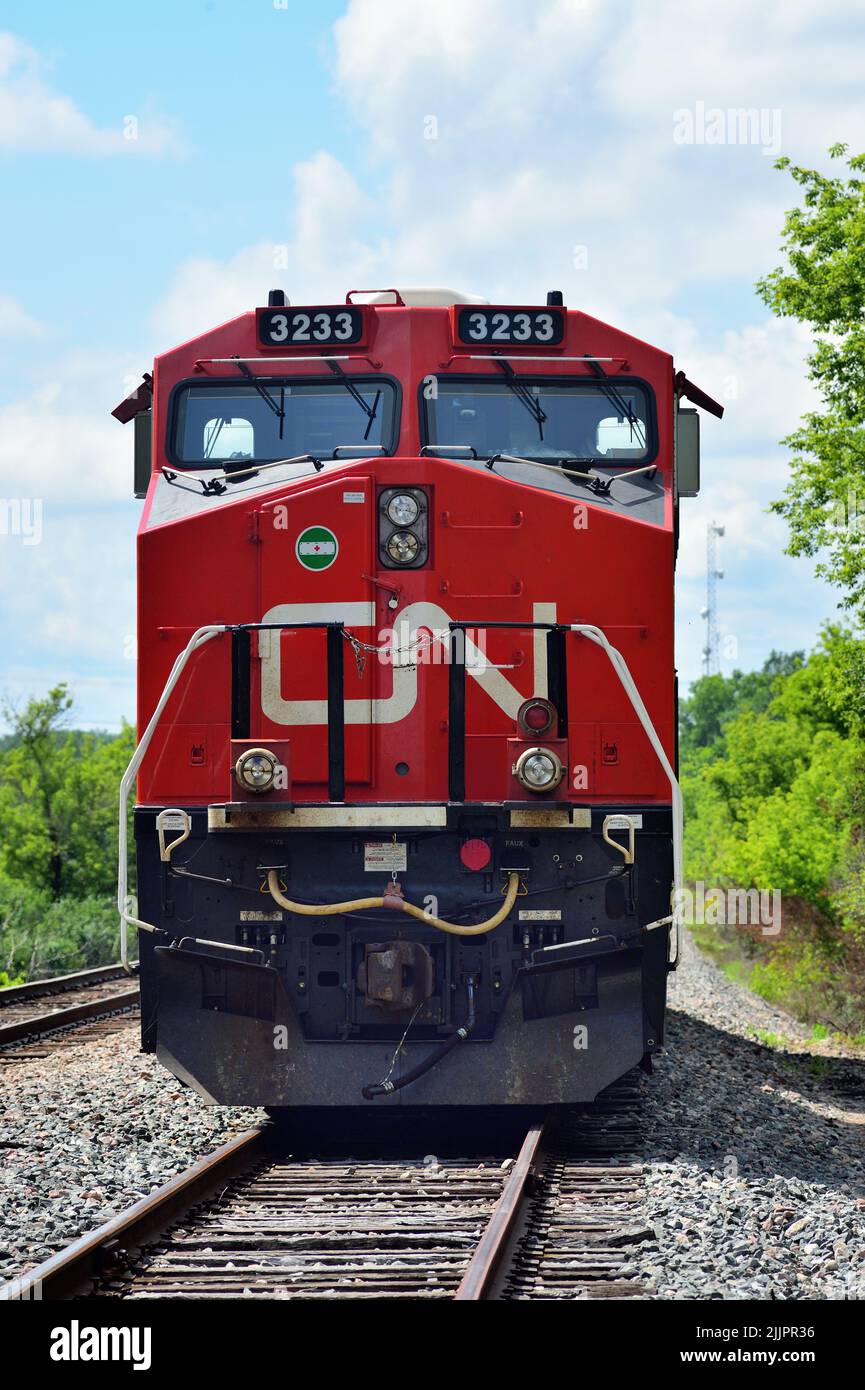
(737, 971)
(773, 1040)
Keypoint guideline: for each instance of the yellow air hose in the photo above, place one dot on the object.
(361, 905)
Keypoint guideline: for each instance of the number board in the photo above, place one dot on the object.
(520, 327)
(337, 325)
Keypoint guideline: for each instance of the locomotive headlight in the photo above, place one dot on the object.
(538, 769)
(403, 527)
(256, 769)
(403, 509)
(403, 547)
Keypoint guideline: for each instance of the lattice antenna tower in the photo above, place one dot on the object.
(712, 649)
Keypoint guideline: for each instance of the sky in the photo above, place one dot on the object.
(161, 169)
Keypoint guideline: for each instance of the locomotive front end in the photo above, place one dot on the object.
(408, 830)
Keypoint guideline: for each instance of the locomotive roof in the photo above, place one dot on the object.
(418, 296)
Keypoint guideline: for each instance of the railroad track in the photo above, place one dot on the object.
(253, 1221)
(571, 1225)
(39, 1008)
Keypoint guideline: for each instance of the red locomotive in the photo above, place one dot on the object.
(407, 822)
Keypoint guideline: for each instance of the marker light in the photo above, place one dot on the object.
(476, 854)
(538, 769)
(256, 769)
(403, 547)
(403, 509)
(536, 716)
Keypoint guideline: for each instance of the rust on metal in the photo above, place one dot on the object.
(397, 975)
(63, 984)
(476, 1281)
(76, 1013)
(255, 1220)
(73, 1269)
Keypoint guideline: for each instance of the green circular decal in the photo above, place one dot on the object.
(316, 548)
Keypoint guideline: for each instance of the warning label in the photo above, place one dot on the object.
(541, 914)
(384, 855)
(253, 916)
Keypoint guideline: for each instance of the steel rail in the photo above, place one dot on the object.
(487, 1258)
(253, 1219)
(40, 1024)
(61, 984)
(70, 1271)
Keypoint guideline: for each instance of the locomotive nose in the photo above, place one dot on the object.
(422, 796)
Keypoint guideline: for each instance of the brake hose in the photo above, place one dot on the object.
(384, 1088)
(362, 904)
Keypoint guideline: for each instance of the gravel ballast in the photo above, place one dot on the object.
(755, 1167)
(755, 1175)
(87, 1131)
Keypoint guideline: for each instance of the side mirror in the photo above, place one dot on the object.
(687, 453)
(143, 425)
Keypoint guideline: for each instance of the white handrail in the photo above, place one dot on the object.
(124, 903)
(620, 666)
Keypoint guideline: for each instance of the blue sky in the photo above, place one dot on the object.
(223, 180)
(301, 130)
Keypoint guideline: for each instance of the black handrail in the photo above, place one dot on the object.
(557, 688)
(241, 704)
(241, 651)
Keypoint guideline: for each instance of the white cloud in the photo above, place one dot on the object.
(324, 255)
(100, 701)
(72, 595)
(555, 127)
(60, 444)
(752, 534)
(783, 54)
(34, 117)
(758, 373)
(67, 539)
(15, 322)
(554, 131)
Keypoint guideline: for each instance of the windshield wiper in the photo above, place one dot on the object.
(216, 486)
(595, 481)
(214, 435)
(278, 410)
(523, 395)
(369, 410)
(617, 400)
(598, 482)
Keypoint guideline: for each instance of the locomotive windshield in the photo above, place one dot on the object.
(265, 419)
(544, 419)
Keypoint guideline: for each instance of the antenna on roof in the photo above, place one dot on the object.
(276, 299)
(555, 298)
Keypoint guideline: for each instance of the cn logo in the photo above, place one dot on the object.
(404, 669)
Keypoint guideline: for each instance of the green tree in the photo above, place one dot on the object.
(32, 776)
(773, 776)
(58, 800)
(823, 285)
(715, 700)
